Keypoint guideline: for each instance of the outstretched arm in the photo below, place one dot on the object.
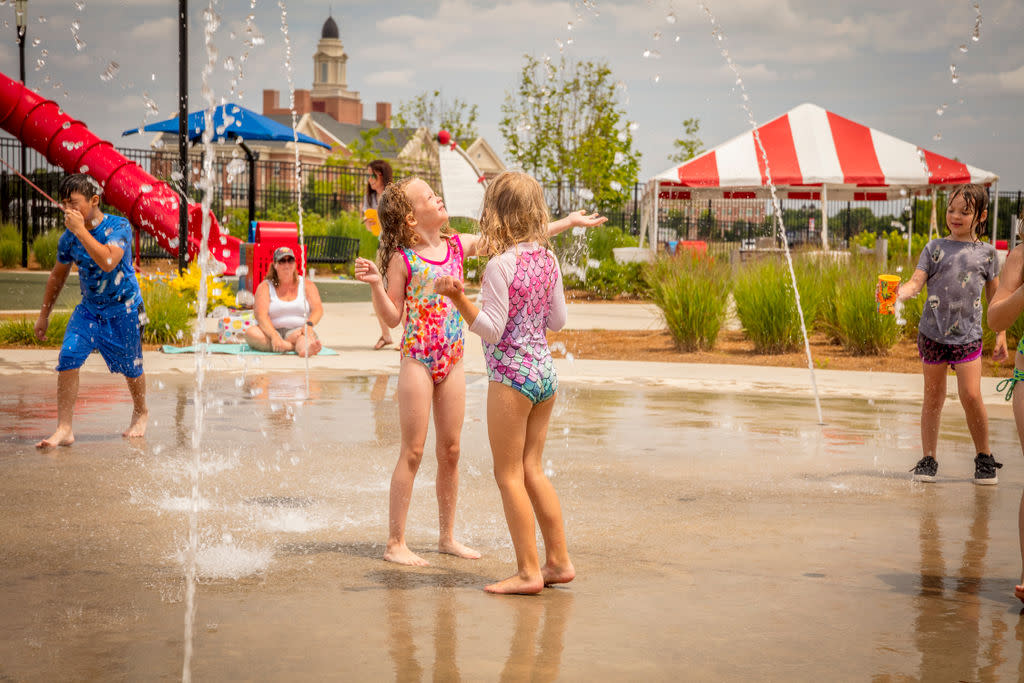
(576, 219)
(389, 304)
(913, 286)
(1007, 303)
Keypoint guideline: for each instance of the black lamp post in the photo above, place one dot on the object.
(21, 21)
(186, 168)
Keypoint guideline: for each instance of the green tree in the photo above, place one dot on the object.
(565, 125)
(432, 111)
(370, 144)
(689, 145)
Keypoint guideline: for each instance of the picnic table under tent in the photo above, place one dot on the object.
(816, 155)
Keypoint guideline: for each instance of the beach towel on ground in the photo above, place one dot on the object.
(238, 350)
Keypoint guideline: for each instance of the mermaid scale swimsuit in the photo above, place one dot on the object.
(521, 358)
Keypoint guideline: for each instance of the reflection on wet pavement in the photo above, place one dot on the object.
(717, 537)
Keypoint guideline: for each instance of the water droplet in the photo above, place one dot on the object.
(954, 75)
(937, 136)
(656, 35)
(111, 71)
(229, 64)
(941, 110)
(568, 27)
(83, 169)
(66, 125)
(36, 42)
(670, 17)
(963, 48)
(80, 44)
(75, 26)
(146, 188)
(80, 5)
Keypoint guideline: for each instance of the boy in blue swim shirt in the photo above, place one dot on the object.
(110, 315)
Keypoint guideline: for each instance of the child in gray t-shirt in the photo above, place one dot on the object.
(956, 269)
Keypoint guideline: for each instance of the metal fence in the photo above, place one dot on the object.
(327, 190)
(330, 189)
(748, 220)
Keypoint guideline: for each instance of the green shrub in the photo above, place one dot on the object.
(691, 292)
(474, 269)
(861, 330)
(10, 232)
(45, 249)
(601, 241)
(610, 279)
(766, 306)
(21, 331)
(167, 313)
(10, 253)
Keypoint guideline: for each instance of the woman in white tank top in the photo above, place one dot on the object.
(287, 308)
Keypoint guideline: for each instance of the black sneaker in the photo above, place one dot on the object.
(985, 467)
(925, 469)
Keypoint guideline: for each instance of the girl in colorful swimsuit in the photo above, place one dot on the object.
(521, 296)
(956, 269)
(1008, 305)
(418, 247)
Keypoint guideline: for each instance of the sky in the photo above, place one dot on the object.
(881, 63)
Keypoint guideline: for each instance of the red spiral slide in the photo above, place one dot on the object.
(148, 203)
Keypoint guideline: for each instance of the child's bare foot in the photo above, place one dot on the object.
(1019, 591)
(517, 585)
(62, 437)
(400, 554)
(458, 550)
(558, 574)
(138, 425)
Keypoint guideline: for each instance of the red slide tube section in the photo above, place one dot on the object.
(150, 204)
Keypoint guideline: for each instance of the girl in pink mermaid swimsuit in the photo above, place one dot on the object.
(417, 250)
(521, 295)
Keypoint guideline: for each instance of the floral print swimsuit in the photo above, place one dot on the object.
(433, 333)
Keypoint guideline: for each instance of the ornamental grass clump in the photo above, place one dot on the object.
(692, 293)
(858, 326)
(169, 316)
(21, 331)
(45, 249)
(766, 306)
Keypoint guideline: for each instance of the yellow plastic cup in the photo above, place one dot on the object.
(371, 220)
(886, 292)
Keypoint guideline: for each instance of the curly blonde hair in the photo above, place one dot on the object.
(514, 211)
(393, 212)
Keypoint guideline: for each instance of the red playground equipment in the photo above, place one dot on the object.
(268, 236)
(148, 203)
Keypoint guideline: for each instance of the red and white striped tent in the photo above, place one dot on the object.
(814, 154)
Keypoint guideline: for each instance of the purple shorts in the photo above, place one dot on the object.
(937, 353)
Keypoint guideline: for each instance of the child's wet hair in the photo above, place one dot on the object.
(393, 211)
(514, 211)
(976, 198)
(80, 183)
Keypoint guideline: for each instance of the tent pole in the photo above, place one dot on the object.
(933, 221)
(995, 212)
(824, 216)
(910, 232)
(653, 238)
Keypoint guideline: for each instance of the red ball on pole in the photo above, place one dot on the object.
(444, 137)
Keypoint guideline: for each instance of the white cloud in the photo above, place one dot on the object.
(402, 77)
(164, 29)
